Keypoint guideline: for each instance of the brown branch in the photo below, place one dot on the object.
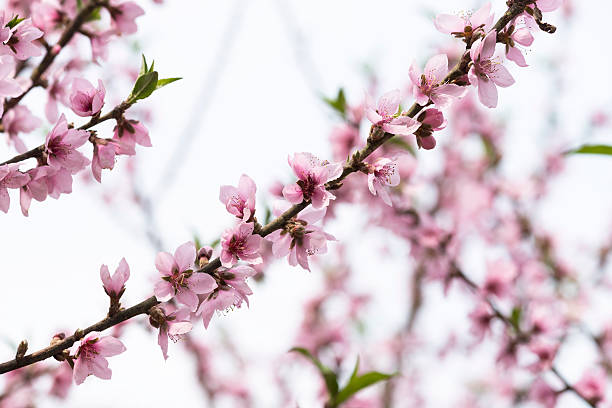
(376, 139)
(57, 348)
(38, 151)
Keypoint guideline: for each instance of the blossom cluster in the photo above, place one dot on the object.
(22, 42)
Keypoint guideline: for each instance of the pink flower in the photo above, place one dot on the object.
(62, 381)
(240, 201)
(173, 326)
(57, 91)
(467, 23)
(46, 16)
(123, 16)
(386, 114)
(240, 243)
(5, 31)
(427, 85)
(115, 286)
(178, 278)
(103, 156)
(542, 392)
(99, 44)
(19, 120)
(312, 174)
(299, 238)
(10, 177)
(86, 100)
(487, 72)
(130, 133)
(384, 173)
(431, 120)
(592, 385)
(499, 279)
(22, 43)
(513, 36)
(90, 357)
(61, 144)
(8, 85)
(548, 5)
(232, 291)
(481, 319)
(545, 351)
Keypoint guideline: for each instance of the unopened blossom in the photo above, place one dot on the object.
(61, 144)
(91, 356)
(488, 72)
(431, 120)
(22, 43)
(383, 174)
(387, 116)
(130, 133)
(85, 100)
(178, 279)
(10, 177)
(592, 385)
(428, 84)
(123, 14)
(300, 238)
(499, 279)
(115, 285)
(103, 156)
(240, 201)
(240, 243)
(232, 291)
(465, 24)
(19, 120)
(312, 174)
(173, 324)
(8, 85)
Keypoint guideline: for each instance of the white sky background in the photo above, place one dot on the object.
(263, 107)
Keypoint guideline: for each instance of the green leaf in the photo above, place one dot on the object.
(165, 81)
(338, 104)
(215, 242)
(144, 87)
(79, 5)
(357, 383)
(515, 318)
(592, 149)
(94, 16)
(16, 20)
(144, 68)
(331, 381)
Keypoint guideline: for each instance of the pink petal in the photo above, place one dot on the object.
(164, 262)
(185, 256)
(487, 93)
(202, 283)
(448, 23)
(109, 346)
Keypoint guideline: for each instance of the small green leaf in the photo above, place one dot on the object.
(331, 381)
(144, 87)
(215, 242)
(94, 16)
(144, 68)
(152, 66)
(592, 149)
(357, 383)
(165, 81)
(16, 20)
(79, 5)
(338, 104)
(515, 318)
